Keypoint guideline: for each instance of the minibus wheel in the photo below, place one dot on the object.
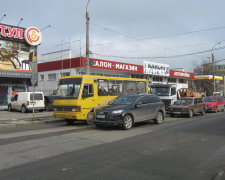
(69, 121)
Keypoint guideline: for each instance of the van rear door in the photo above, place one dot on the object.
(38, 100)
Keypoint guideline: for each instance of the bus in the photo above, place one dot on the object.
(77, 95)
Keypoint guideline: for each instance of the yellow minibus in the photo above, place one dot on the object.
(77, 95)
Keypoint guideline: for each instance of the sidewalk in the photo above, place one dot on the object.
(12, 119)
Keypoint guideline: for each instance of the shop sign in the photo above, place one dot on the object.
(156, 68)
(116, 66)
(32, 35)
(181, 74)
(15, 74)
(11, 32)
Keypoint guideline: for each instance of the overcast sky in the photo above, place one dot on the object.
(129, 30)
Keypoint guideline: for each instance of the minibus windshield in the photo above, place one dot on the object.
(68, 88)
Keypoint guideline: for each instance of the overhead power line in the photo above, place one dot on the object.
(160, 57)
(149, 38)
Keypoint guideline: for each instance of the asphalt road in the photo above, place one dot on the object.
(180, 148)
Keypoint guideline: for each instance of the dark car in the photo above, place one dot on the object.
(49, 103)
(126, 110)
(187, 106)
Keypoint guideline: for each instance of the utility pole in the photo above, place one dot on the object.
(213, 64)
(87, 41)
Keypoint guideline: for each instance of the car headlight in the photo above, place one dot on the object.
(117, 112)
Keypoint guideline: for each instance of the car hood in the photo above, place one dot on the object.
(110, 107)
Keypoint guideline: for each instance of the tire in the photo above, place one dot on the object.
(171, 115)
(23, 109)
(128, 122)
(69, 122)
(203, 112)
(10, 108)
(190, 113)
(159, 118)
(99, 126)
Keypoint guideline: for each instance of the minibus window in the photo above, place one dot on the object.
(69, 88)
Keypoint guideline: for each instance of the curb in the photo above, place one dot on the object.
(28, 122)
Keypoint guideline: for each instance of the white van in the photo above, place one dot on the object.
(23, 102)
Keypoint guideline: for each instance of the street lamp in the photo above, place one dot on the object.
(87, 40)
(213, 63)
(2, 17)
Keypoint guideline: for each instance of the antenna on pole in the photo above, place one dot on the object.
(2, 17)
(20, 21)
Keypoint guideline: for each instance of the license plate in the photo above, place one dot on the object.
(101, 116)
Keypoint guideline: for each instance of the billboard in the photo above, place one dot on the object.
(158, 69)
(18, 47)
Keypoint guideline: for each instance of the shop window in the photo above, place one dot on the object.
(182, 81)
(157, 79)
(52, 76)
(65, 74)
(172, 80)
(42, 77)
(115, 87)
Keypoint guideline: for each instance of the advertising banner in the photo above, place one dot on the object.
(18, 47)
(156, 68)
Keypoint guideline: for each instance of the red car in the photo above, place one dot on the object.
(214, 103)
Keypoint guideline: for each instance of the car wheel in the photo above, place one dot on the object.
(128, 122)
(159, 118)
(10, 108)
(203, 111)
(190, 113)
(99, 126)
(171, 115)
(69, 122)
(23, 109)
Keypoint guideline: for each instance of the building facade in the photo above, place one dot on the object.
(156, 73)
(18, 50)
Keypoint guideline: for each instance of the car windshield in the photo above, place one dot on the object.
(69, 88)
(183, 102)
(210, 99)
(160, 91)
(124, 100)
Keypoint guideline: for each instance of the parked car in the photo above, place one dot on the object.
(214, 103)
(126, 110)
(25, 101)
(187, 106)
(49, 103)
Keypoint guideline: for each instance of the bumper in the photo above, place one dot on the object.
(36, 108)
(69, 115)
(108, 123)
(179, 113)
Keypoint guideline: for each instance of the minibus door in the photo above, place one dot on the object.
(88, 99)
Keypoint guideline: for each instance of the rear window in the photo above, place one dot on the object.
(37, 96)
